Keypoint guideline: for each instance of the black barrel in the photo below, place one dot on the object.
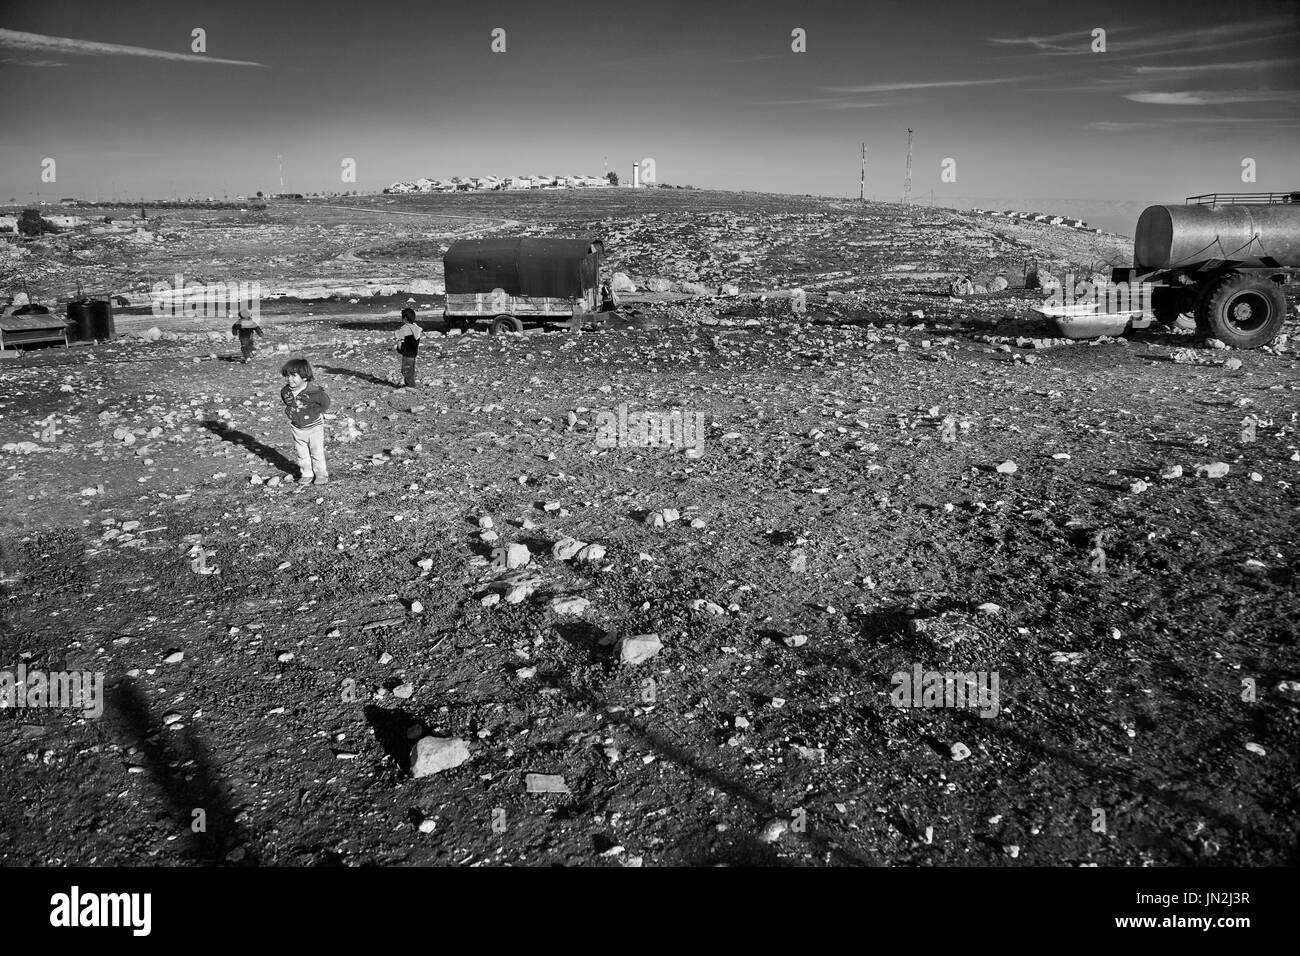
(101, 319)
(79, 319)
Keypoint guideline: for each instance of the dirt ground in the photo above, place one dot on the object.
(1142, 628)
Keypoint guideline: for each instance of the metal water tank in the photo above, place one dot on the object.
(1183, 236)
(79, 320)
(101, 320)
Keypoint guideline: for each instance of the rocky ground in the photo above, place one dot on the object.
(421, 662)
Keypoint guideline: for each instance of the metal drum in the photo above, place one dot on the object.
(79, 319)
(101, 319)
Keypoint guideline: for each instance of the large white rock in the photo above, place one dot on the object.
(658, 285)
(432, 755)
(638, 648)
(621, 283)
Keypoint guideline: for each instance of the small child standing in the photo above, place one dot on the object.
(305, 403)
(245, 327)
(409, 345)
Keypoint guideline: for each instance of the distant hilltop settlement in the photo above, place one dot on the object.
(483, 183)
(1039, 217)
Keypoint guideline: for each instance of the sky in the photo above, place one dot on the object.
(1011, 92)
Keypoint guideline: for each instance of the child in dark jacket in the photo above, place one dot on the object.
(245, 328)
(305, 403)
(409, 345)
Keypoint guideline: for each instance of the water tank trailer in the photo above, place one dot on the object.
(1226, 259)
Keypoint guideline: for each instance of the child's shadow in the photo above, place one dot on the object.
(264, 452)
(352, 373)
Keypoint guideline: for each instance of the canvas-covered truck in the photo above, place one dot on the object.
(510, 282)
(1226, 259)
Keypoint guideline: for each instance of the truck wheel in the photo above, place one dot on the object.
(506, 323)
(1242, 311)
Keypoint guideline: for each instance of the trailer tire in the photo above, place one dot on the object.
(1242, 311)
(1167, 305)
(505, 323)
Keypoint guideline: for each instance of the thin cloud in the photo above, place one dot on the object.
(1111, 126)
(1215, 67)
(40, 43)
(9, 59)
(898, 87)
(1136, 41)
(822, 102)
(1211, 97)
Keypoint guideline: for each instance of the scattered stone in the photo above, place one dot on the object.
(545, 783)
(638, 648)
(404, 691)
(989, 608)
(569, 605)
(1213, 470)
(1232, 364)
(566, 548)
(1256, 749)
(811, 754)
(1007, 468)
(432, 755)
(591, 553)
(1169, 472)
(517, 555)
(960, 751)
(795, 640)
(774, 830)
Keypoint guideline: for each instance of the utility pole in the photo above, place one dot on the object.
(862, 181)
(280, 159)
(907, 183)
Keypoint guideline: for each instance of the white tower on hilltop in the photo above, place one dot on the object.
(636, 175)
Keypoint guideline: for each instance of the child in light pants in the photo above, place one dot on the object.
(305, 403)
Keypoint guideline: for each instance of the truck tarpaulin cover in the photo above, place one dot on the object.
(557, 268)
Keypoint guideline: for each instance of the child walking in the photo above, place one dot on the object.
(305, 403)
(409, 345)
(245, 327)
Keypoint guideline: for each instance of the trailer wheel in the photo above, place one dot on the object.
(1168, 305)
(506, 323)
(1242, 311)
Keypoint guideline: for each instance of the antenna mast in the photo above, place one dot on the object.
(907, 183)
(862, 181)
